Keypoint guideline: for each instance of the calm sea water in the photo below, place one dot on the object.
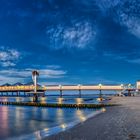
(36, 123)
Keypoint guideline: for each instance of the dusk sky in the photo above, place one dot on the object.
(70, 41)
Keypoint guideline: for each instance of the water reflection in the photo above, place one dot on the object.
(27, 120)
(63, 126)
(60, 100)
(80, 115)
(103, 109)
(43, 100)
(39, 121)
(79, 100)
(4, 120)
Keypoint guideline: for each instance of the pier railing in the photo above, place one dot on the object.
(53, 88)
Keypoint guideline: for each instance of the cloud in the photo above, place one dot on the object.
(134, 61)
(53, 66)
(129, 16)
(8, 56)
(133, 58)
(49, 73)
(8, 63)
(105, 5)
(103, 81)
(16, 75)
(126, 13)
(78, 35)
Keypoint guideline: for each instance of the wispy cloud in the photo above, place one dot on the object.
(16, 75)
(103, 80)
(124, 12)
(8, 56)
(50, 73)
(124, 57)
(53, 66)
(134, 61)
(128, 15)
(105, 5)
(78, 35)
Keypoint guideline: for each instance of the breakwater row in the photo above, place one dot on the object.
(36, 104)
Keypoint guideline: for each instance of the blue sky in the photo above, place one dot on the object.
(70, 42)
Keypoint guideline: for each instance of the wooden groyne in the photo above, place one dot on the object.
(57, 105)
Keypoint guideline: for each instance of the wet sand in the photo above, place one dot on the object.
(117, 123)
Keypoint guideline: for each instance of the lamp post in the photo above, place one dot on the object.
(60, 87)
(79, 88)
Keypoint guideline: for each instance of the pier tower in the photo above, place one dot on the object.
(35, 75)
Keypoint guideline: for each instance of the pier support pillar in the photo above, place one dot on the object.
(43, 95)
(100, 94)
(80, 93)
(35, 98)
(61, 93)
(129, 93)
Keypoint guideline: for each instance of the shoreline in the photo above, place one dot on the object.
(117, 123)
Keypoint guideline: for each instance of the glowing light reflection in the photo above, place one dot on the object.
(103, 109)
(43, 100)
(79, 100)
(60, 100)
(80, 115)
(63, 126)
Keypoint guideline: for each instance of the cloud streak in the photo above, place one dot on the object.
(16, 75)
(8, 56)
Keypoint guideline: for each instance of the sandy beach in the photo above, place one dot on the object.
(116, 123)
